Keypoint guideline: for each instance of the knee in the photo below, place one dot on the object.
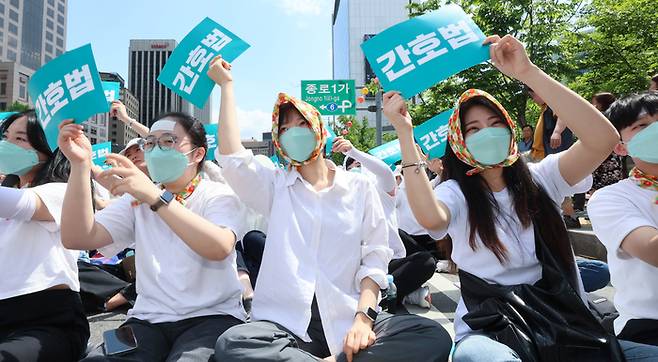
(227, 344)
(254, 243)
(473, 347)
(425, 263)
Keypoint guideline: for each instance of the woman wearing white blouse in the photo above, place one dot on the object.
(41, 315)
(326, 254)
(488, 203)
(184, 229)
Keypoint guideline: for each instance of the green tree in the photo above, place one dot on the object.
(617, 48)
(17, 107)
(539, 24)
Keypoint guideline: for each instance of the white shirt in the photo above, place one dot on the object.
(318, 243)
(615, 211)
(406, 219)
(522, 266)
(173, 281)
(32, 257)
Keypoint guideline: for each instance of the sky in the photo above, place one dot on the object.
(290, 41)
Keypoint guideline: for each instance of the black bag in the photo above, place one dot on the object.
(546, 321)
(604, 311)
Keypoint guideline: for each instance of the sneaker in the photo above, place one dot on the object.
(443, 266)
(420, 297)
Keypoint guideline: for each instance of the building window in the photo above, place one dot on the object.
(2, 22)
(13, 29)
(13, 42)
(49, 47)
(3, 89)
(48, 58)
(50, 13)
(15, 3)
(2, 8)
(60, 19)
(13, 15)
(50, 24)
(60, 30)
(61, 8)
(49, 36)
(93, 140)
(22, 94)
(3, 105)
(11, 55)
(60, 42)
(51, 2)
(94, 131)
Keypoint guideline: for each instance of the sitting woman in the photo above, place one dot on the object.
(41, 315)
(326, 254)
(184, 229)
(522, 298)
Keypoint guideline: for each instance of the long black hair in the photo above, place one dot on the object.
(56, 168)
(193, 127)
(531, 202)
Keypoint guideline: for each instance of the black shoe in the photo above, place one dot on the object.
(572, 222)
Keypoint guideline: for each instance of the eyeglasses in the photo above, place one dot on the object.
(165, 142)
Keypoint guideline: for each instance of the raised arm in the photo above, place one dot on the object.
(385, 178)
(597, 136)
(79, 230)
(118, 110)
(430, 213)
(228, 131)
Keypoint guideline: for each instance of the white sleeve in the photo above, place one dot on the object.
(450, 195)
(52, 196)
(385, 178)
(375, 251)
(547, 174)
(613, 217)
(224, 209)
(118, 218)
(251, 181)
(17, 204)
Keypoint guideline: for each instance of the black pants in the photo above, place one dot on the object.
(250, 254)
(49, 325)
(100, 283)
(643, 331)
(411, 272)
(189, 340)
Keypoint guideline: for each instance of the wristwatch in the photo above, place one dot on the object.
(165, 199)
(368, 312)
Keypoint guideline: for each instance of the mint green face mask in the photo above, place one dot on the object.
(16, 160)
(644, 145)
(298, 143)
(166, 165)
(489, 146)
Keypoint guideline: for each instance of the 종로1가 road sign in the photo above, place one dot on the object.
(67, 87)
(432, 135)
(185, 70)
(330, 97)
(418, 53)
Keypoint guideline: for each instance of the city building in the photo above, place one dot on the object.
(146, 59)
(102, 128)
(31, 34)
(264, 147)
(353, 22)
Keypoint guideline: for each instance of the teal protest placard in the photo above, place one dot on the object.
(5, 115)
(112, 91)
(416, 54)
(388, 152)
(99, 152)
(330, 138)
(185, 70)
(211, 138)
(67, 87)
(432, 135)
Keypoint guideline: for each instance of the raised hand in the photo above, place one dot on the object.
(509, 56)
(220, 71)
(341, 145)
(395, 109)
(125, 177)
(73, 143)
